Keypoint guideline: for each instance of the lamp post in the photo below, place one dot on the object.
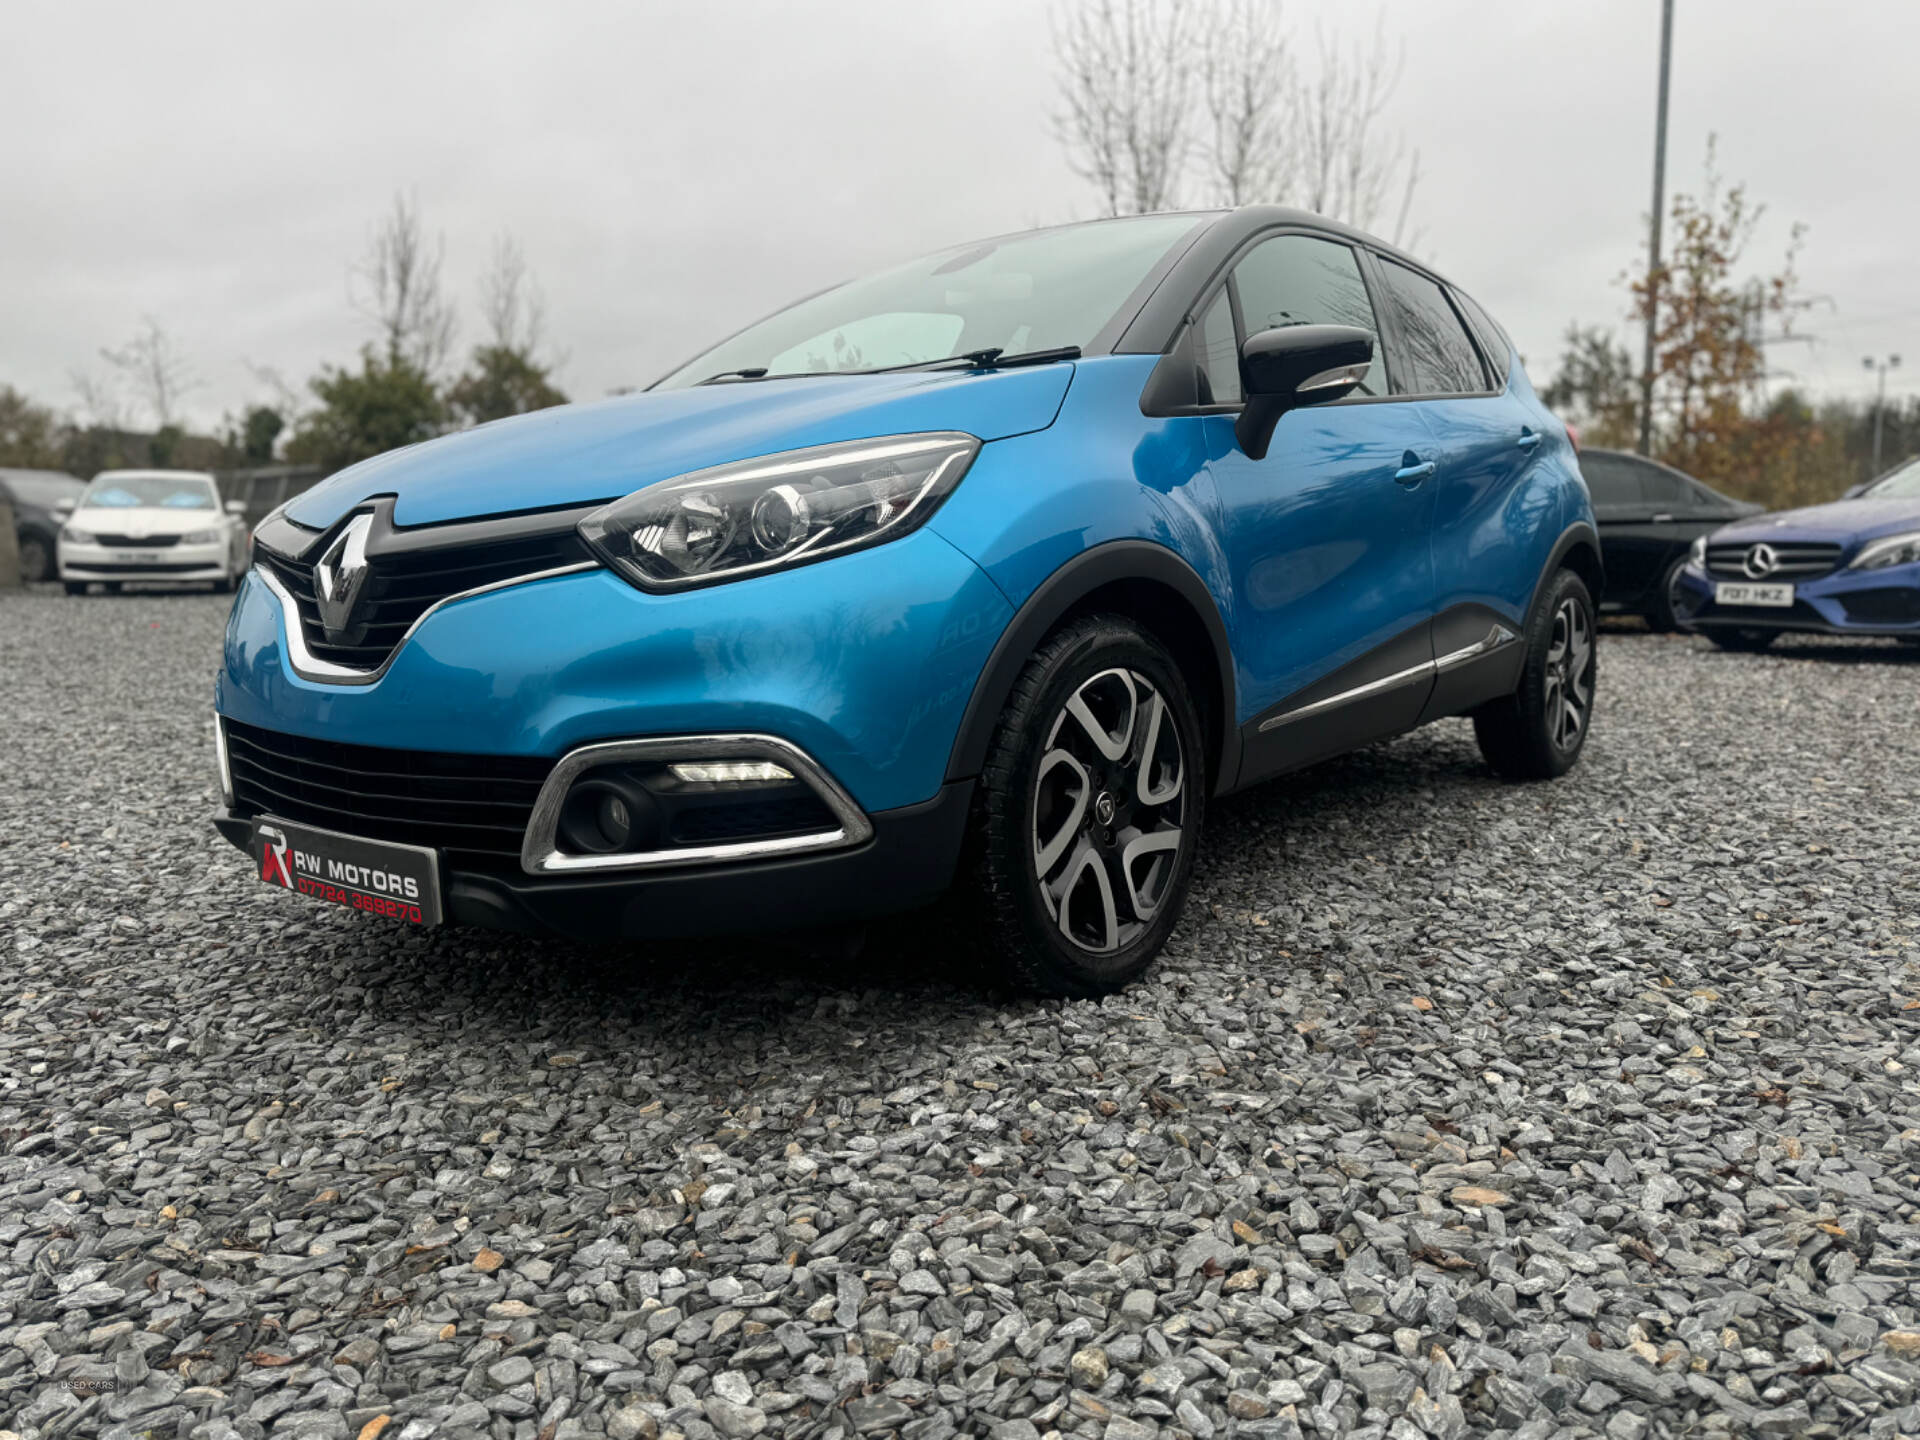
(1891, 362)
(1653, 239)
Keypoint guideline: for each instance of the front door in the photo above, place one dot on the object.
(1329, 536)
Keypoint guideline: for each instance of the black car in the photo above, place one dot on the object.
(34, 495)
(1649, 516)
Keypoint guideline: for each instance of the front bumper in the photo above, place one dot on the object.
(1844, 602)
(182, 563)
(907, 862)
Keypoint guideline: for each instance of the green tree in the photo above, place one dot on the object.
(258, 433)
(32, 437)
(502, 381)
(389, 402)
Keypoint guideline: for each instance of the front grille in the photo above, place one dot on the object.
(136, 542)
(1793, 559)
(403, 585)
(1887, 605)
(473, 807)
(139, 567)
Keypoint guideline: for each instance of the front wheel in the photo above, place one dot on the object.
(1089, 809)
(1537, 732)
(1748, 641)
(36, 559)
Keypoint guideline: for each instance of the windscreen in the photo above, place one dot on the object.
(1039, 291)
(1902, 484)
(169, 492)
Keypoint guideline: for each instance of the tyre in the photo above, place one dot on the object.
(36, 559)
(225, 585)
(1089, 810)
(1537, 732)
(76, 587)
(112, 587)
(1751, 641)
(1661, 618)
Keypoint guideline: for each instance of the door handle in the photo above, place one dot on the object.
(1528, 440)
(1413, 474)
(1661, 519)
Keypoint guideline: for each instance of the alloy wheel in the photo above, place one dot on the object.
(1109, 811)
(1569, 678)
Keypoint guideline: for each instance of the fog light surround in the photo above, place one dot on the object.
(576, 822)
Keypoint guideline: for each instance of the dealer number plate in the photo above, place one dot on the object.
(138, 557)
(1741, 593)
(398, 881)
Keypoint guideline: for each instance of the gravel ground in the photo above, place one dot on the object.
(1455, 1108)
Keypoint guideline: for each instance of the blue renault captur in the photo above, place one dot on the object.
(1002, 564)
(1849, 567)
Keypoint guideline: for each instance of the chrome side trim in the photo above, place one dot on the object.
(1495, 637)
(539, 854)
(309, 666)
(1347, 697)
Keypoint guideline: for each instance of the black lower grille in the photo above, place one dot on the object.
(136, 542)
(404, 580)
(473, 807)
(139, 567)
(1886, 605)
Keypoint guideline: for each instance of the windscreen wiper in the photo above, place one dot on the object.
(752, 372)
(993, 359)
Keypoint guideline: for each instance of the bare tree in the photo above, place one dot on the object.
(101, 404)
(399, 290)
(1127, 84)
(1250, 80)
(153, 366)
(510, 300)
(1273, 131)
(1350, 170)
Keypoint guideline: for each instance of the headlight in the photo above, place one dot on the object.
(77, 536)
(200, 537)
(1698, 554)
(756, 515)
(1894, 550)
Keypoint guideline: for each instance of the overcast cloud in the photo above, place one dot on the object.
(674, 171)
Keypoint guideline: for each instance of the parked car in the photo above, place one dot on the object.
(1009, 561)
(151, 525)
(1850, 567)
(36, 497)
(1649, 515)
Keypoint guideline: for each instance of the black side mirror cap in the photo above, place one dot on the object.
(1293, 366)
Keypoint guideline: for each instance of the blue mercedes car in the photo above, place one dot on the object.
(1851, 567)
(1002, 564)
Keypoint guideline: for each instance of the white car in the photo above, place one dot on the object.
(166, 525)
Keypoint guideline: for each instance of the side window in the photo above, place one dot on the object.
(1301, 280)
(1610, 480)
(1664, 488)
(1439, 358)
(1217, 354)
(1493, 340)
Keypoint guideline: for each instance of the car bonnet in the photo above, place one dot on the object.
(1841, 521)
(579, 454)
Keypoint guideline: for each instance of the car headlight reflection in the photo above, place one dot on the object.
(752, 516)
(1894, 550)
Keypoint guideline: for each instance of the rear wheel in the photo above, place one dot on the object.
(1089, 809)
(36, 560)
(1743, 640)
(1537, 732)
(1661, 616)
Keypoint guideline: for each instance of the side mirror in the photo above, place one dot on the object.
(236, 507)
(62, 508)
(1293, 366)
(1852, 490)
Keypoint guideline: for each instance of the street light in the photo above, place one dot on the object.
(1891, 362)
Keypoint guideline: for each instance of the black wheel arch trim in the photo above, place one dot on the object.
(1578, 533)
(1114, 562)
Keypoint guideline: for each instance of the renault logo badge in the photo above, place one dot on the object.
(1760, 562)
(340, 577)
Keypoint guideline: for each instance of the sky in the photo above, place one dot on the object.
(673, 171)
